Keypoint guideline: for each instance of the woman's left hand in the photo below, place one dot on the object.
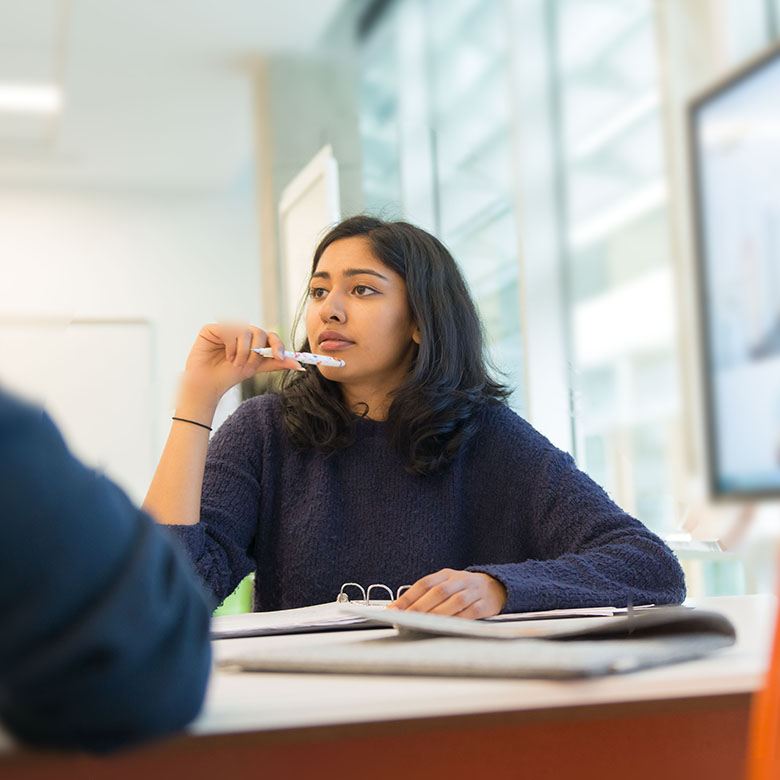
(467, 594)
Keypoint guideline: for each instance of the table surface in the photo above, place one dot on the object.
(692, 716)
(245, 701)
(241, 702)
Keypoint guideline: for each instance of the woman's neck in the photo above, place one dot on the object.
(376, 392)
(377, 402)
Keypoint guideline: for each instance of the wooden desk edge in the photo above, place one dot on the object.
(213, 750)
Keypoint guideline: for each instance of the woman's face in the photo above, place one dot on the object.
(358, 312)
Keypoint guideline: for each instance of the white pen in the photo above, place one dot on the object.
(302, 357)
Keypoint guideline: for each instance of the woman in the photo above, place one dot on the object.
(403, 466)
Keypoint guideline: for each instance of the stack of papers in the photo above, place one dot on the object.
(319, 617)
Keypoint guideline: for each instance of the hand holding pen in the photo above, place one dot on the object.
(220, 358)
(223, 355)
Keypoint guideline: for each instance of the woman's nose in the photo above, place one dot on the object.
(332, 309)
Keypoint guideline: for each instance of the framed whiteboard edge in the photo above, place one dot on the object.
(322, 166)
(321, 169)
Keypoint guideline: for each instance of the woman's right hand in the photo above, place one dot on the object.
(221, 357)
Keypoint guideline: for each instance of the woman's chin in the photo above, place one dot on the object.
(334, 374)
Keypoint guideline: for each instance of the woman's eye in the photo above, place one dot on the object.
(317, 292)
(362, 289)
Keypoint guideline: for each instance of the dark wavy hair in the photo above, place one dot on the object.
(436, 409)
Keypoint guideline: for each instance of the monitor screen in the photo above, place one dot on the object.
(735, 151)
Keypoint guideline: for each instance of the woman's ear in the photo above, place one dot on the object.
(416, 336)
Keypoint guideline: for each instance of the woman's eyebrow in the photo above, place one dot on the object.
(350, 272)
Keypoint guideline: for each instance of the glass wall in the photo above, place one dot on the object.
(619, 293)
(748, 26)
(470, 122)
(379, 115)
(451, 124)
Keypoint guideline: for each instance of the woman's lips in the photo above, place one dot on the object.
(334, 344)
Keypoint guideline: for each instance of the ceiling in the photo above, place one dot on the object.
(157, 92)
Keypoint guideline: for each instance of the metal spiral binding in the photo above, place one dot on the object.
(366, 594)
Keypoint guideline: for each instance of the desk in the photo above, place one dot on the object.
(682, 721)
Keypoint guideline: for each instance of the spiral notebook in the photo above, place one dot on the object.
(332, 617)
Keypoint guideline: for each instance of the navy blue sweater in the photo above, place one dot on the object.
(103, 628)
(511, 505)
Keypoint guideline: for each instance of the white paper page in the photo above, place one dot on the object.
(316, 616)
(566, 613)
(454, 626)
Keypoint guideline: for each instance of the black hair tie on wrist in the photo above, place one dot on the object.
(192, 422)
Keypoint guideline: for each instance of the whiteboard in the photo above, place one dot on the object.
(309, 206)
(94, 377)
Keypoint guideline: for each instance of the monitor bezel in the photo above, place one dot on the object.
(717, 88)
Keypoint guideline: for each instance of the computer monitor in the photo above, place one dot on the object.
(734, 131)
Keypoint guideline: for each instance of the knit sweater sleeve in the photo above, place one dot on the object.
(104, 638)
(583, 550)
(220, 545)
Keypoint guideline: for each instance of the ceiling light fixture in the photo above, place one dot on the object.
(30, 98)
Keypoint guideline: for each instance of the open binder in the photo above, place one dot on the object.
(318, 617)
(443, 646)
(332, 616)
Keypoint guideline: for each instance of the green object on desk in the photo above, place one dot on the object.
(239, 601)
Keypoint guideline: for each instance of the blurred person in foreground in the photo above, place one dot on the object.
(104, 632)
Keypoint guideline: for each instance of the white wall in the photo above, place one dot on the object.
(147, 207)
(176, 260)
